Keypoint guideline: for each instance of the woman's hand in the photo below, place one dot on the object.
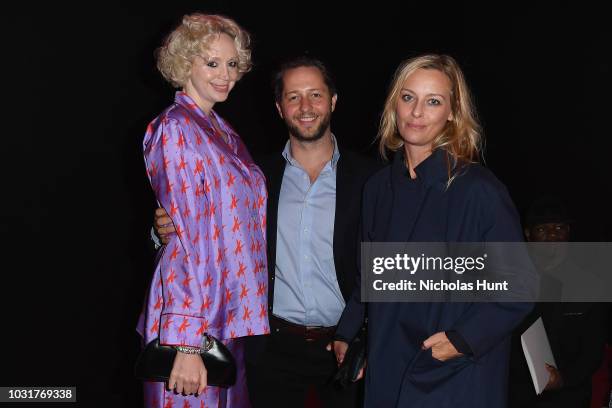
(163, 225)
(441, 347)
(188, 374)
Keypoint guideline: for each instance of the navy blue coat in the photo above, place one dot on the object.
(475, 207)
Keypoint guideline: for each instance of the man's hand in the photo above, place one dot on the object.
(441, 348)
(340, 348)
(555, 381)
(163, 225)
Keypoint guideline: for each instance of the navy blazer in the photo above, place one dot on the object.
(475, 207)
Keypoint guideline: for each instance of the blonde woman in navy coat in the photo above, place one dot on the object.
(434, 354)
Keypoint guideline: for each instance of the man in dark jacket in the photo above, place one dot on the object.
(576, 330)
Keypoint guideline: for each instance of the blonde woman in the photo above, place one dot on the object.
(210, 278)
(434, 354)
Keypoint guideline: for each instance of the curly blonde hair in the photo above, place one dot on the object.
(461, 137)
(194, 36)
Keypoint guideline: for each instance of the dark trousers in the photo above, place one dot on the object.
(289, 367)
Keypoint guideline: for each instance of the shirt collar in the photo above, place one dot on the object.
(334, 160)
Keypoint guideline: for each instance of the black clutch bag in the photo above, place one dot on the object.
(354, 360)
(155, 363)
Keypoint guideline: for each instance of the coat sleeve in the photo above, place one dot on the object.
(499, 222)
(176, 174)
(353, 316)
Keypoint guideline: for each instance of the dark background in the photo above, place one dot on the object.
(81, 86)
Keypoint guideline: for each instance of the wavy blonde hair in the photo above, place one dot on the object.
(461, 137)
(193, 37)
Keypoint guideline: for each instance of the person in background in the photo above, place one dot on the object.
(576, 330)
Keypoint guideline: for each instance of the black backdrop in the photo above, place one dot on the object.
(80, 87)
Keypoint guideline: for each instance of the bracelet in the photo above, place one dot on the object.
(188, 350)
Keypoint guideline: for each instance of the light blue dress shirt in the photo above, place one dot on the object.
(306, 289)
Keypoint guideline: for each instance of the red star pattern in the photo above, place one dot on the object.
(155, 327)
(220, 255)
(187, 211)
(206, 304)
(230, 179)
(224, 276)
(171, 277)
(173, 208)
(179, 231)
(203, 328)
(216, 233)
(199, 168)
(182, 163)
(236, 225)
(247, 313)
(244, 292)
(184, 186)
(238, 249)
(183, 327)
(195, 240)
(241, 269)
(158, 304)
(169, 187)
(234, 204)
(230, 317)
(181, 140)
(187, 302)
(167, 323)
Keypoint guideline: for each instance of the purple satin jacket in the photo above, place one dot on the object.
(211, 277)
